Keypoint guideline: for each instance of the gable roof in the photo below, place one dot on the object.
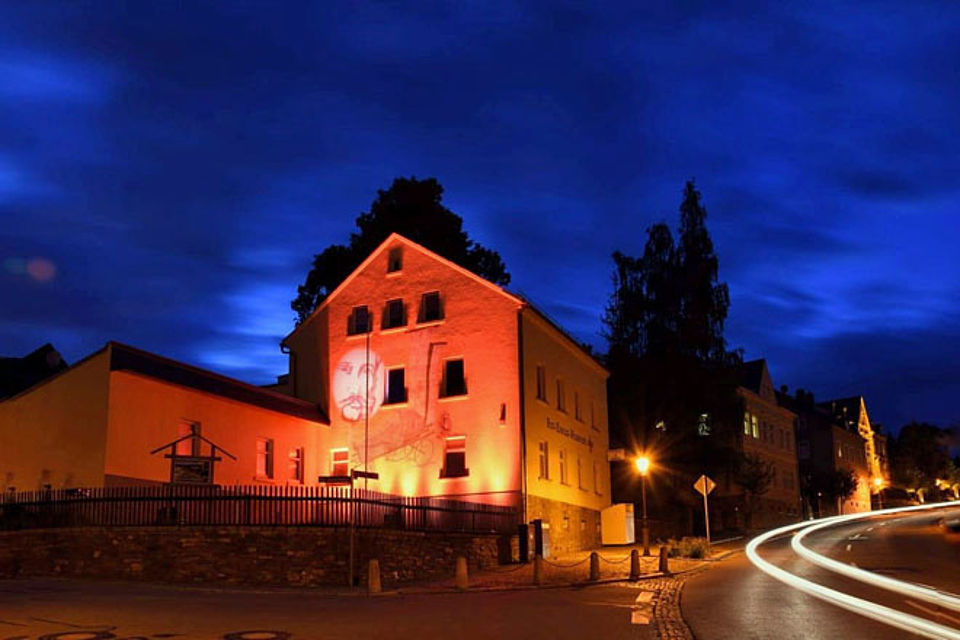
(751, 374)
(392, 240)
(846, 408)
(19, 374)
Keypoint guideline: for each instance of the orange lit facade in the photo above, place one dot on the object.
(414, 369)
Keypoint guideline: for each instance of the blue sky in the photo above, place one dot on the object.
(167, 172)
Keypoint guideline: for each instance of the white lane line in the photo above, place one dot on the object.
(933, 596)
(849, 546)
(866, 608)
(869, 529)
(933, 612)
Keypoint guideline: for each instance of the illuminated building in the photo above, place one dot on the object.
(415, 369)
(852, 414)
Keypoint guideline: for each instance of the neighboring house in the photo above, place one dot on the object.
(768, 435)
(445, 384)
(824, 446)
(18, 374)
(414, 369)
(852, 414)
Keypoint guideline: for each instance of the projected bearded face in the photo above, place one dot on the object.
(358, 384)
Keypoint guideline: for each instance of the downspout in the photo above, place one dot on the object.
(523, 418)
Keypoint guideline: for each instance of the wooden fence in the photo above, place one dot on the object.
(257, 505)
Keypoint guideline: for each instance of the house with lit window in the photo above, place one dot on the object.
(444, 384)
(415, 372)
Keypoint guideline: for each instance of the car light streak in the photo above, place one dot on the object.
(933, 596)
(866, 608)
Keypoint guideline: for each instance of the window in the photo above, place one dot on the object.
(264, 458)
(593, 416)
(561, 397)
(359, 321)
(396, 387)
(191, 446)
(703, 424)
(580, 473)
(596, 479)
(395, 315)
(395, 260)
(577, 413)
(295, 464)
(339, 462)
(746, 423)
(564, 477)
(455, 458)
(755, 426)
(430, 308)
(454, 381)
(544, 461)
(541, 382)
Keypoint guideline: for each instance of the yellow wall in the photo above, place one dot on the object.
(146, 413)
(54, 433)
(543, 345)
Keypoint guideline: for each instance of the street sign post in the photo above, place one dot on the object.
(704, 486)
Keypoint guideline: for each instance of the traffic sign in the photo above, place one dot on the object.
(704, 485)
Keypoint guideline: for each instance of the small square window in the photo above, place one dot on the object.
(395, 260)
(359, 321)
(541, 382)
(431, 309)
(339, 462)
(455, 458)
(295, 464)
(454, 380)
(396, 386)
(395, 314)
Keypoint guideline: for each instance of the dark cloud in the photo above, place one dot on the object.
(180, 167)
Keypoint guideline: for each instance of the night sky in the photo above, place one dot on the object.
(166, 175)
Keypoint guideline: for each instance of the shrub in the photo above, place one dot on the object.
(688, 548)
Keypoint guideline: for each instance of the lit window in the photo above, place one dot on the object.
(541, 382)
(190, 446)
(755, 426)
(295, 464)
(264, 458)
(430, 308)
(544, 461)
(359, 321)
(746, 423)
(339, 462)
(396, 387)
(454, 380)
(703, 424)
(395, 260)
(564, 477)
(576, 406)
(561, 396)
(395, 314)
(455, 458)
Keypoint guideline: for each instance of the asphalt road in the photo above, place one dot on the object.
(735, 600)
(72, 610)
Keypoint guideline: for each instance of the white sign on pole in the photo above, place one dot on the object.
(704, 486)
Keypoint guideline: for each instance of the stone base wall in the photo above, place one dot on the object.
(251, 556)
(572, 528)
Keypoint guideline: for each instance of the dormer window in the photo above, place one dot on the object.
(430, 307)
(395, 314)
(395, 260)
(359, 321)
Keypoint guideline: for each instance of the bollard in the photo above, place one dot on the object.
(373, 576)
(634, 564)
(664, 551)
(537, 570)
(594, 566)
(462, 580)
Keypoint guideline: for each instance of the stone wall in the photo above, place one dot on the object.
(253, 556)
(572, 528)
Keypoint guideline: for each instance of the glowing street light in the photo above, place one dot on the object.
(878, 483)
(643, 467)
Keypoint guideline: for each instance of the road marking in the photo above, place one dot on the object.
(849, 546)
(933, 612)
(869, 529)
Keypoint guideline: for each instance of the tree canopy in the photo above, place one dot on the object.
(920, 455)
(414, 209)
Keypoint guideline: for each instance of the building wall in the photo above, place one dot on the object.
(145, 413)
(405, 443)
(569, 501)
(55, 433)
(849, 451)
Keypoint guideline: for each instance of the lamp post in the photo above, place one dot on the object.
(878, 483)
(643, 466)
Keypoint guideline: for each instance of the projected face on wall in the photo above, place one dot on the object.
(358, 384)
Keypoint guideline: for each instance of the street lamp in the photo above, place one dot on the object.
(878, 483)
(643, 466)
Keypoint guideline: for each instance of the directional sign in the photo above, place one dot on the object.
(704, 485)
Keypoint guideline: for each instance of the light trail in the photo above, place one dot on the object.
(933, 596)
(866, 608)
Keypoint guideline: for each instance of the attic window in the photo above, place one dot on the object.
(395, 260)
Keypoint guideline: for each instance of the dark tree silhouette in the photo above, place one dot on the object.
(414, 209)
(920, 455)
(754, 475)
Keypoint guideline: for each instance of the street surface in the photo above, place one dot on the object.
(74, 610)
(735, 600)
